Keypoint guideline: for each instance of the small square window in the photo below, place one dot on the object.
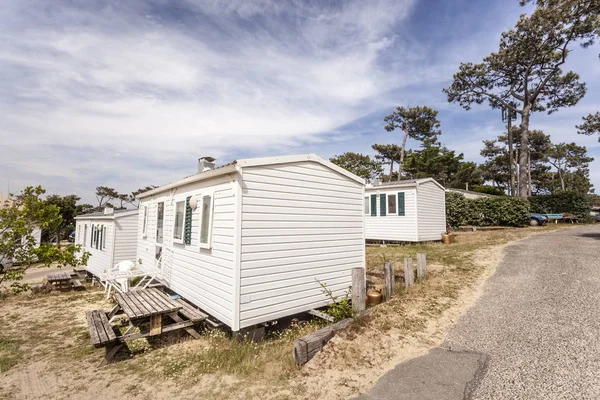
(179, 221)
(391, 206)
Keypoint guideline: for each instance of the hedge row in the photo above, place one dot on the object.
(562, 202)
(511, 211)
(486, 211)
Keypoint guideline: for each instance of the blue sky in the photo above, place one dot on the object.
(127, 94)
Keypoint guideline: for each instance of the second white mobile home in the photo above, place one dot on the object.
(405, 211)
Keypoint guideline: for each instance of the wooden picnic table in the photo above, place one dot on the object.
(147, 303)
(140, 306)
(60, 281)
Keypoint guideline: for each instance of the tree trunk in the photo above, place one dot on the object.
(58, 238)
(529, 187)
(523, 156)
(562, 179)
(391, 169)
(401, 164)
(511, 156)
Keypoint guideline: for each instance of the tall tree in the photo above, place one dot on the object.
(67, 206)
(418, 123)
(19, 217)
(496, 168)
(387, 154)
(104, 195)
(81, 209)
(442, 164)
(525, 75)
(569, 158)
(359, 164)
(590, 125)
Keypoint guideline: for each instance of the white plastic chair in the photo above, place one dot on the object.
(123, 283)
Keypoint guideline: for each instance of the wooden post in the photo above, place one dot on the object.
(408, 272)
(390, 283)
(358, 289)
(421, 265)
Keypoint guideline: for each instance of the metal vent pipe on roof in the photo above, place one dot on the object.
(206, 164)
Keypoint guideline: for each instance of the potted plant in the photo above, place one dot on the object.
(448, 236)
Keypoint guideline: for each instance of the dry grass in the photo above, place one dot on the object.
(43, 342)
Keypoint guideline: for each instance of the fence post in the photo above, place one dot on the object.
(421, 265)
(358, 289)
(408, 272)
(390, 284)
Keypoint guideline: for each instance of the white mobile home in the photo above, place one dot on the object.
(250, 241)
(405, 211)
(110, 237)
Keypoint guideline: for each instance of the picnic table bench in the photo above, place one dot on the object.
(140, 307)
(60, 281)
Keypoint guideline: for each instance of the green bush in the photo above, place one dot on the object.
(499, 211)
(562, 202)
(457, 210)
(487, 211)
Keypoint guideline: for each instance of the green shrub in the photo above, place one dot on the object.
(562, 202)
(499, 211)
(487, 211)
(457, 210)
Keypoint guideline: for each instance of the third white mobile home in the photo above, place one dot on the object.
(405, 211)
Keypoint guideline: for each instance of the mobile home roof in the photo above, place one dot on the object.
(250, 162)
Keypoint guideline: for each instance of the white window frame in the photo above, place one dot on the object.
(145, 223)
(182, 239)
(368, 205)
(85, 234)
(200, 197)
(388, 204)
(164, 212)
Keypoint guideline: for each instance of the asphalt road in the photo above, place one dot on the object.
(534, 333)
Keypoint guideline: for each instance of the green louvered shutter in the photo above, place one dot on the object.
(187, 230)
(401, 204)
(382, 205)
(373, 205)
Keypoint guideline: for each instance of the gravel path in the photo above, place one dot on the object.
(539, 320)
(537, 325)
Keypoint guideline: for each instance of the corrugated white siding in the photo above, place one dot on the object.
(431, 211)
(100, 259)
(393, 227)
(301, 222)
(125, 239)
(203, 276)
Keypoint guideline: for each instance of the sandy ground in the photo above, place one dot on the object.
(55, 359)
